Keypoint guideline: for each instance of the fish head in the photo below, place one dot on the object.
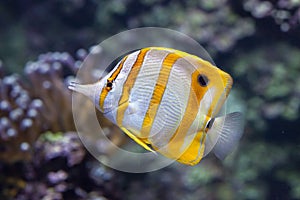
(210, 84)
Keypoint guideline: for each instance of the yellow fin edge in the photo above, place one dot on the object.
(137, 140)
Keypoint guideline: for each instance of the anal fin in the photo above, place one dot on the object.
(137, 140)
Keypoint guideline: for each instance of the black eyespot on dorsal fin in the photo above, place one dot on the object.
(109, 84)
(203, 80)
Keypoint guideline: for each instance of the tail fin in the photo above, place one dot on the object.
(224, 134)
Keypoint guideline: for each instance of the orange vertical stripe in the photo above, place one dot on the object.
(128, 84)
(196, 94)
(194, 152)
(158, 92)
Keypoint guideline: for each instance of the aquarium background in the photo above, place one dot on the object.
(42, 44)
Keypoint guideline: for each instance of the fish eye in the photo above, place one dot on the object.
(203, 80)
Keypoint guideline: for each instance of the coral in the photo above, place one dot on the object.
(20, 122)
(38, 102)
(270, 86)
(67, 145)
(63, 170)
(46, 76)
(212, 23)
(29, 109)
(285, 13)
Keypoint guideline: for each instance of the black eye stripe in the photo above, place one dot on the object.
(203, 80)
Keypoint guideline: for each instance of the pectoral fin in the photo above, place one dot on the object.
(224, 134)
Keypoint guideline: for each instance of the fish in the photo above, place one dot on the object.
(168, 101)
